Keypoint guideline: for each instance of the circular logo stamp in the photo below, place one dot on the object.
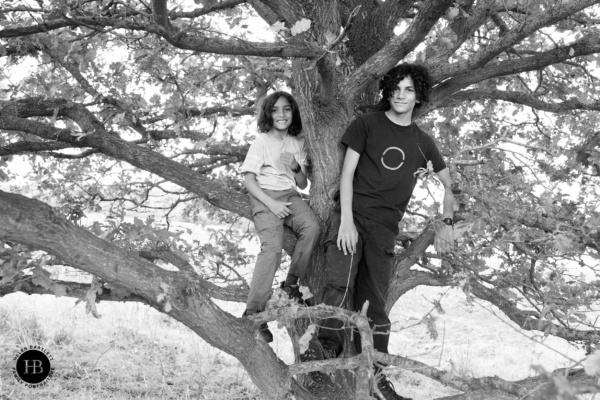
(33, 366)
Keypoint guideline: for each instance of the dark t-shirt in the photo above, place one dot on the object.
(390, 155)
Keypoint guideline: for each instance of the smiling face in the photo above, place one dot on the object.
(282, 115)
(404, 97)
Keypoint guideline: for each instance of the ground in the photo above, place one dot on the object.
(135, 352)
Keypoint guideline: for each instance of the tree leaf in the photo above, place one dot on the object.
(301, 26)
(306, 294)
(90, 297)
(438, 307)
(41, 277)
(304, 340)
(431, 326)
(452, 13)
(59, 289)
(278, 26)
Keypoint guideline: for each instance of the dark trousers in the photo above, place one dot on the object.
(365, 276)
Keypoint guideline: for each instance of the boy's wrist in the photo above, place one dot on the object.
(347, 217)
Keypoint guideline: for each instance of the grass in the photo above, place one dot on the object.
(132, 352)
(135, 352)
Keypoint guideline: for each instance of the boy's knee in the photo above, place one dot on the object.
(271, 247)
(313, 230)
(334, 293)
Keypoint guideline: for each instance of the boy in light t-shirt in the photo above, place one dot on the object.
(274, 168)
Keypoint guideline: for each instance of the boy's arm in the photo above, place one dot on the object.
(444, 238)
(290, 162)
(301, 180)
(347, 234)
(279, 208)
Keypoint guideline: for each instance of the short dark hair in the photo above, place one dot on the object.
(421, 81)
(265, 113)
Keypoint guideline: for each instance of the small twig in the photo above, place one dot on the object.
(469, 162)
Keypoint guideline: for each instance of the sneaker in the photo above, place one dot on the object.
(265, 332)
(293, 292)
(263, 329)
(387, 390)
(318, 350)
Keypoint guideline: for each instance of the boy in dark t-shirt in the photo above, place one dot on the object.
(384, 151)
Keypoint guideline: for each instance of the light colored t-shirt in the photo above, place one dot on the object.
(263, 160)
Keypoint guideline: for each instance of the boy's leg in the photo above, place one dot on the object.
(374, 278)
(269, 229)
(341, 277)
(305, 224)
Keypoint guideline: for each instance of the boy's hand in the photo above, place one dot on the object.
(347, 237)
(444, 237)
(279, 208)
(288, 160)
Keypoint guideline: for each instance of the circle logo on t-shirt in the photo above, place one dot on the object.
(392, 158)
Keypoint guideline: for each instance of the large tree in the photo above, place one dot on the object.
(147, 105)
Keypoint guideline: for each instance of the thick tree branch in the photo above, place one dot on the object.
(531, 24)
(404, 280)
(397, 48)
(525, 99)
(524, 389)
(222, 5)
(12, 118)
(31, 147)
(160, 13)
(529, 320)
(587, 45)
(13, 114)
(185, 39)
(37, 225)
(204, 112)
(462, 78)
(264, 11)
(289, 11)
(74, 289)
(463, 27)
(230, 293)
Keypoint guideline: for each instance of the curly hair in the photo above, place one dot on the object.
(265, 114)
(421, 81)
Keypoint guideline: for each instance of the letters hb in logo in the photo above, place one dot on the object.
(33, 366)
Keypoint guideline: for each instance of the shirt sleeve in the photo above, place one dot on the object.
(356, 135)
(433, 154)
(254, 158)
(302, 153)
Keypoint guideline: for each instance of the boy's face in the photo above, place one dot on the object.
(282, 114)
(404, 98)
